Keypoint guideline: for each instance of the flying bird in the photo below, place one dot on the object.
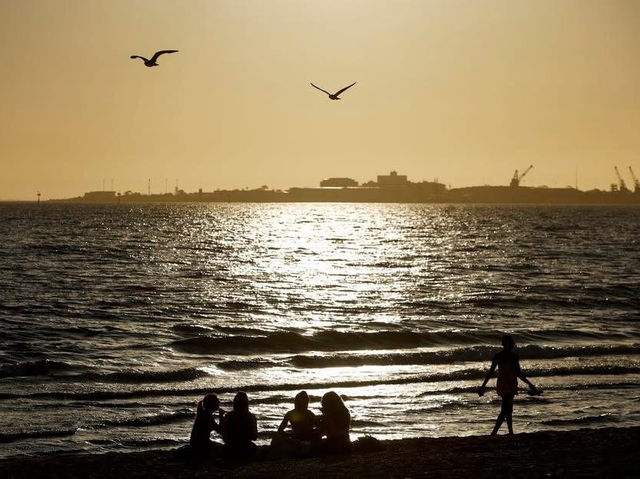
(334, 96)
(152, 62)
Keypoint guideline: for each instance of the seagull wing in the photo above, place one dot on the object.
(320, 89)
(345, 88)
(161, 52)
(141, 58)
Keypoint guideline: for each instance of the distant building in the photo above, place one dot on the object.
(99, 196)
(392, 179)
(338, 182)
(430, 187)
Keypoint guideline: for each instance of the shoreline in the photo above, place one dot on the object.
(606, 452)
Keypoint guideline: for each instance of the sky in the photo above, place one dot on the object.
(463, 91)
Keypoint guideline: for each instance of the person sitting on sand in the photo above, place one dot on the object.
(334, 424)
(204, 423)
(298, 440)
(239, 429)
(301, 419)
(509, 371)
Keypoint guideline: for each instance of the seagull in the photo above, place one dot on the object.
(152, 62)
(334, 96)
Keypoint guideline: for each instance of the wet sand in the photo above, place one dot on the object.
(611, 452)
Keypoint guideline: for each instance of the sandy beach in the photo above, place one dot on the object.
(610, 452)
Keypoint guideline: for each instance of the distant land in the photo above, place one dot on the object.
(391, 188)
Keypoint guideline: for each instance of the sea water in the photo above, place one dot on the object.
(116, 319)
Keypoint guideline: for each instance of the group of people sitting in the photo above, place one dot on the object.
(309, 434)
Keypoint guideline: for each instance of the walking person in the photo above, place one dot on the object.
(509, 372)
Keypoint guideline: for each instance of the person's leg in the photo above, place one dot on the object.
(507, 405)
(499, 420)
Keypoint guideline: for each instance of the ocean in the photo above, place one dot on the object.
(116, 319)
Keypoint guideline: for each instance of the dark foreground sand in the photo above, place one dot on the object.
(613, 452)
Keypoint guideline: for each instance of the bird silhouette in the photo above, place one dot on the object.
(152, 61)
(334, 96)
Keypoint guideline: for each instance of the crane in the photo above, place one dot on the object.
(636, 183)
(623, 186)
(515, 181)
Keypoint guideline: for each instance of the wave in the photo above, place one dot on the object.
(476, 353)
(145, 421)
(186, 374)
(580, 421)
(199, 330)
(153, 443)
(570, 387)
(293, 342)
(104, 405)
(16, 436)
(42, 367)
(461, 375)
(190, 329)
(444, 406)
(243, 364)
(55, 368)
(598, 386)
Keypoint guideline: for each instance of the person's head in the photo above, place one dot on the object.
(241, 402)
(331, 403)
(335, 412)
(508, 343)
(211, 402)
(301, 402)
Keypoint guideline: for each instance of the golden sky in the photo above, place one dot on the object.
(464, 91)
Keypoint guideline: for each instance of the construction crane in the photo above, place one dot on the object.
(515, 181)
(623, 186)
(636, 183)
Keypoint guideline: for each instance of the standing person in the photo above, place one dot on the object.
(239, 429)
(204, 423)
(509, 371)
(334, 424)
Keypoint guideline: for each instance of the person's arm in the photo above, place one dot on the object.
(224, 428)
(217, 426)
(522, 377)
(284, 423)
(213, 425)
(321, 426)
(494, 363)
